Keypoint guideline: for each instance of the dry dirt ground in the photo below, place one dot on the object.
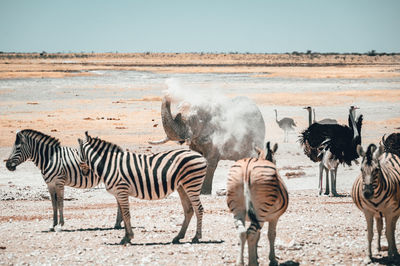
(315, 230)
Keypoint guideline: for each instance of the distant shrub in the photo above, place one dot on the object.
(371, 53)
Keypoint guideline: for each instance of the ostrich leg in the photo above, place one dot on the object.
(333, 182)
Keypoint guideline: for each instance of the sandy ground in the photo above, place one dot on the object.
(315, 229)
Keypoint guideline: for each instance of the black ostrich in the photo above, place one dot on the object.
(332, 144)
(392, 143)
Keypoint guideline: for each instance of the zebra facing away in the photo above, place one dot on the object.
(376, 192)
(255, 191)
(59, 166)
(149, 177)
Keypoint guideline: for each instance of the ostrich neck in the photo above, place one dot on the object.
(276, 116)
(353, 122)
(315, 119)
(309, 117)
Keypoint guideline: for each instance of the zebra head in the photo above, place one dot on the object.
(370, 168)
(83, 153)
(20, 152)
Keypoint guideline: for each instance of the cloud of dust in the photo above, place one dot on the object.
(228, 123)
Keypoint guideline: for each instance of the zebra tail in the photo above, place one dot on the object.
(249, 206)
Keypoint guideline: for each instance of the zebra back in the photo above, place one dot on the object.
(268, 193)
(148, 176)
(157, 175)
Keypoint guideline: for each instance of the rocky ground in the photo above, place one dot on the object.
(315, 230)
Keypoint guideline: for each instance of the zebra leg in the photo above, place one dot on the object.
(198, 209)
(188, 212)
(119, 218)
(394, 222)
(370, 226)
(379, 226)
(123, 201)
(326, 181)
(60, 203)
(53, 196)
(321, 174)
(239, 224)
(390, 229)
(271, 238)
(253, 235)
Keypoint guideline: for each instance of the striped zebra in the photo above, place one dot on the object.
(256, 192)
(148, 177)
(376, 192)
(59, 167)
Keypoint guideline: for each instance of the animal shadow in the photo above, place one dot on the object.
(169, 243)
(289, 263)
(89, 229)
(387, 260)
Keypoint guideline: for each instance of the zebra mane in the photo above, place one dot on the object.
(110, 144)
(369, 153)
(33, 134)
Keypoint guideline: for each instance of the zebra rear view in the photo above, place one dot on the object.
(148, 177)
(256, 192)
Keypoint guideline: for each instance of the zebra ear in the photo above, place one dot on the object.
(360, 151)
(80, 142)
(275, 148)
(21, 137)
(267, 146)
(379, 152)
(87, 136)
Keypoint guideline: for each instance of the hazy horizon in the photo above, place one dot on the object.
(206, 26)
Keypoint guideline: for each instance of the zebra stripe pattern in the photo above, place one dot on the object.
(376, 192)
(256, 191)
(59, 167)
(148, 177)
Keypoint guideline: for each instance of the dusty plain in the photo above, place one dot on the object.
(315, 230)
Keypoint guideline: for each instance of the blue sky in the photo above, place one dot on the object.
(199, 26)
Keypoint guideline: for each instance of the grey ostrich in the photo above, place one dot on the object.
(286, 124)
(325, 121)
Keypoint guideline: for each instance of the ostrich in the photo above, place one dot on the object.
(312, 120)
(286, 124)
(325, 121)
(331, 144)
(392, 143)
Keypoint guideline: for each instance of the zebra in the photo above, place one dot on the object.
(59, 167)
(148, 177)
(376, 192)
(257, 192)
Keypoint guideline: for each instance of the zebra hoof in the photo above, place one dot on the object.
(176, 240)
(195, 240)
(273, 262)
(125, 241)
(118, 227)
